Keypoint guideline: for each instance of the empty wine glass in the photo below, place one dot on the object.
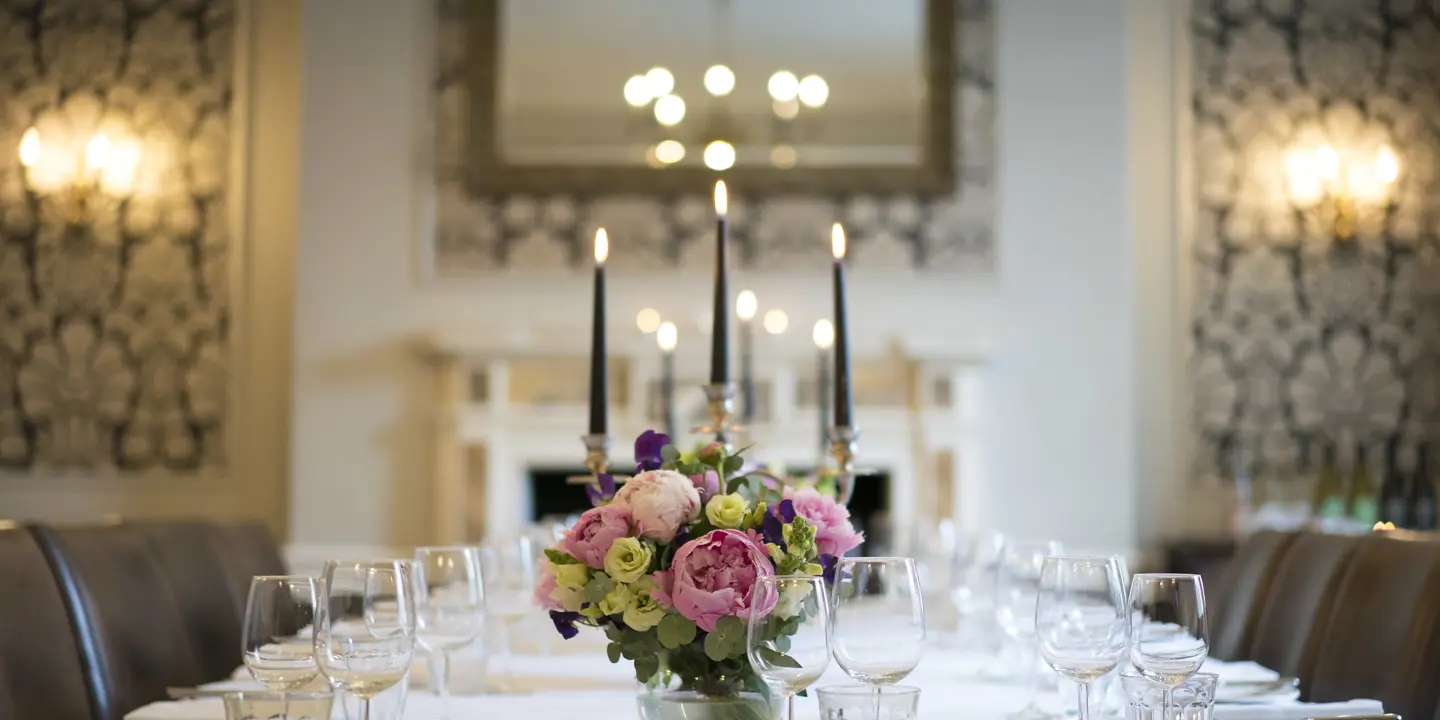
(449, 608)
(1082, 622)
(509, 569)
(1016, 595)
(972, 587)
(365, 626)
(791, 660)
(1169, 634)
(879, 625)
(275, 641)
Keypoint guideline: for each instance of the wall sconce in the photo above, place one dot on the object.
(1336, 188)
(101, 166)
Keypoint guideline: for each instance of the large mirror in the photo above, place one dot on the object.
(813, 96)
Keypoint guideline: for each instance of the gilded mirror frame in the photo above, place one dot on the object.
(489, 174)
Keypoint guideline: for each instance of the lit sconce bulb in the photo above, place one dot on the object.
(719, 155)
(813, 91)
(1387, 165)
(786, 109)
(783, 85)
(776, 321)
(667, 336)
(637, 91)
(602, 246)
(719, 80)
(837, 241)
(669, 110)
(97, 153)
(745, 305)
(660, 80)
(783, 156)
(823, 334)
(1327, 164)
(30, 148)
(648, 320)
(669, 152)
(722, 198)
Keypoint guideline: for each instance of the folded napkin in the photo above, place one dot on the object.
(1232, 672)
(201, 709)
(1297, 711)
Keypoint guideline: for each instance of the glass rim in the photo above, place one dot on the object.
(309, 578)
(1099, 559)
(1166, 576)
(278, 695)
(868, 690)
(371, 563)
(447, 548)
(1199, 675)
(876, 559)
(794, 576)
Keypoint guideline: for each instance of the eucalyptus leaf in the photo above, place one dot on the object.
(670, 453)
(675, 630)
(729, 625)
(735, 484)
(782, 643)
(557, 557)
(645, 668)
(716, 648)
(598, 587)
(778, 659)
(613, 650)
(733, 464)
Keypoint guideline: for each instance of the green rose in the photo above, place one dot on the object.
(628, 559)
(726, 511)
(571, 576)
(616, 600)
(643, 612)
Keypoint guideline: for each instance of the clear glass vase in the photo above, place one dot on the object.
(673, 696)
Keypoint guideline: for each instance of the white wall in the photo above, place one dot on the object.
(1065, 299)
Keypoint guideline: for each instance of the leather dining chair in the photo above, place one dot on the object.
(190, 554)
(1297, 605)
(41, 674)
(1381, 638)
(248, 549)
(1242, 592)
(124, 612)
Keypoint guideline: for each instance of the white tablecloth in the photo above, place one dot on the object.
(560, 684)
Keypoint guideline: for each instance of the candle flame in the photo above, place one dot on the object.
(667, 336)
(823, 334)
(30, 148)
(746, 304)
(837, 241)
(722, 203)
(602, 246)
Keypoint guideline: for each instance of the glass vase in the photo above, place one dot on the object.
(672, 695)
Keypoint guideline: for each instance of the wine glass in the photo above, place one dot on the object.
(972, 591)
(1017, 591)
(274, 640)
(1082, 621)
(879, 626)
(365, 626)
(791, 660)
(449, 608)
(1169, 632)
(509, 569)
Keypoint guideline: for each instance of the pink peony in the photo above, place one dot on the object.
(713, 576)
(597, 529)
(834, 535)
(707, 484)
(660, 502)
(545, 588)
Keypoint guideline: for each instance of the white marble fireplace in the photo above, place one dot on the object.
(506, 409)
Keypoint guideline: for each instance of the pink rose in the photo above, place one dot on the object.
(660, 502)
(597, 529)
(834, 535)
(713, 576)
(545, 589)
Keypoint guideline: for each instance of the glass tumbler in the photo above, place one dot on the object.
(1191, 700)
(858, 702)
(266, 705)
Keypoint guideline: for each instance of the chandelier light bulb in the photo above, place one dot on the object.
(670, 152)
(776, 321)
(667, 336)
(783, 85)
(719, 80)
(637, 91)
(669, 110)
(97, 153)
(30, 148)
(813, 91)
(719, 155)
(823, 334)
(648, 320)
(1387, 165)
(745, 305)
(786, 109)
(1327, 164)
(660, 80)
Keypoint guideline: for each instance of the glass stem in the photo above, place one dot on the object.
(1032, 660)
(504, 655)
(1084, 701)
(790, 702)
(364, 709)
(877, 703)
(1166, 695)
(440, 679)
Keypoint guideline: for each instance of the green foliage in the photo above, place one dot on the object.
(670, 453)
(646, 667)
(736, 483)
(613, 651)
(598, 587)
(733, 464)
(557, 557)
(675, 630)
(777, 658)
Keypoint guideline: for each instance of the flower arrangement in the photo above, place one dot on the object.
(667, 563)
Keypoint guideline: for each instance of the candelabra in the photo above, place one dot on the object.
(720, 403)
(597, 459)
(842, 448)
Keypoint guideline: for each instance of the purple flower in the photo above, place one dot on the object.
(599, 495)
(708, 484)
(773, 529)
(565, 623)
(647, 450)
(828, 564)
(786, 510)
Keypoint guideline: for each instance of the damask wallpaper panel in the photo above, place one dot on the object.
(527, 233)
(1300, 339)
(114, 329)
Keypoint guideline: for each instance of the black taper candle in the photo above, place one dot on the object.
(844, 409)
(598, 377)
(822, 388)
(747, 371)
(720, 324)
(667, 392)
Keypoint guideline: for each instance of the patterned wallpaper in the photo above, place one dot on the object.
(528, 233)
(113, 330)
(1297, 337)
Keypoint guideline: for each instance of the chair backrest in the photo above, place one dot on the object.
(248, 549)
(126, 610)
(191, 556)
(1242, 592)
(41, 674)
(1380, 641)
(1297, 604)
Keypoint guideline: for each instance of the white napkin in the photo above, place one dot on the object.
(1232, 672)
(1297, 711)
(201, 709)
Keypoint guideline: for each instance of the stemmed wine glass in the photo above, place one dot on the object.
(973, 574)
(878, 631)
(1169, 632)
(796, 660)
(449, 608)
(276, 647)
(365, 626)
(1017, 592)
(509, 569)
(1082, 621)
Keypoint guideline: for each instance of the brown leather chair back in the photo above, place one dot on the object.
(1297, 605)
(41, 674)
(248, 549)
(1380, 639)
(113, 582)
(192, 559)
(1242, 591)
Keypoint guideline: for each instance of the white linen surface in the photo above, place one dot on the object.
(555, 686)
